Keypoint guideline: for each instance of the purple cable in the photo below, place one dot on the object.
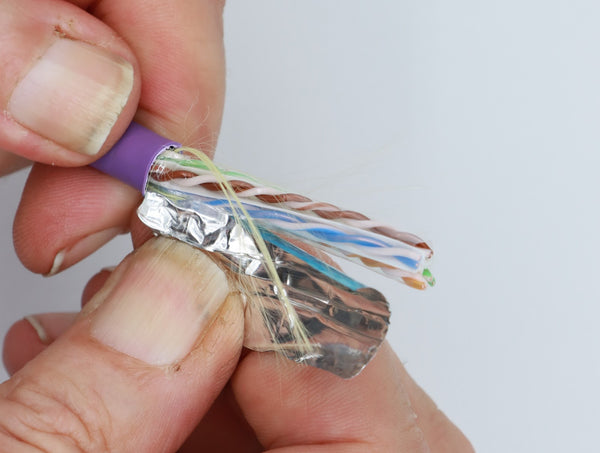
(132, 156)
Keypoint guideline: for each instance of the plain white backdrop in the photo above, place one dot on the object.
(474, 124)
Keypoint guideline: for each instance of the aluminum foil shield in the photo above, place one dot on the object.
(345, 322)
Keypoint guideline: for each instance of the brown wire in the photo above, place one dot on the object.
(324, 210)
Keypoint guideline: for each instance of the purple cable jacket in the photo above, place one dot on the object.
(132, 156)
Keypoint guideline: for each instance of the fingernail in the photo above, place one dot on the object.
(73, 95)
(39, 329)
(69, 256)
(165, 296)
(49, 326)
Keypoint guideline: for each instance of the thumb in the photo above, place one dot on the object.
(141, 365)
(69, 85)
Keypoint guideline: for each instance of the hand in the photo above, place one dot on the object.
(162, 61)
(154, 359)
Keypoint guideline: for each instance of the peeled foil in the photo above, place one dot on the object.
(345, 322)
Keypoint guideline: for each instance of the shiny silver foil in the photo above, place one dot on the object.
(345, 323)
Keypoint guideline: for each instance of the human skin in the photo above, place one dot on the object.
(83, 382)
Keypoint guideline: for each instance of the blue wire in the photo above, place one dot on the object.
(313, 262)
(322, 233)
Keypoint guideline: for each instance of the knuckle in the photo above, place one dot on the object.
(40, 418)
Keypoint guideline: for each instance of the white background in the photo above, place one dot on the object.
(474, 124)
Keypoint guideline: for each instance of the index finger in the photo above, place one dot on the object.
(300, 409)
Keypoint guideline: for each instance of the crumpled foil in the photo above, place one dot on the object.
(345, 322)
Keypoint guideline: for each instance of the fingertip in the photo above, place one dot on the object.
(65, 214)
(70, 90)
(31, 335)
(20, 344)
